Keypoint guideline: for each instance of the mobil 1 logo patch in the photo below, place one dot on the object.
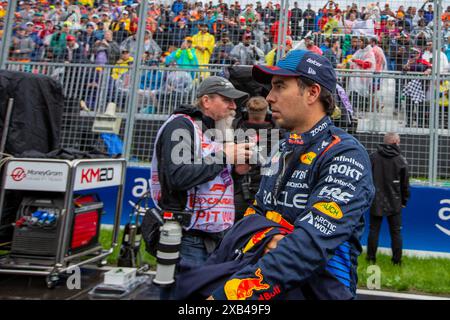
(320, 223)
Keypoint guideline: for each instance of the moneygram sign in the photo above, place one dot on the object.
(30, 175)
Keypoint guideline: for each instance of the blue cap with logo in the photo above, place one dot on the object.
(299, 63)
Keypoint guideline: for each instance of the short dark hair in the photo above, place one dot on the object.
(325, 97)
(364, 40)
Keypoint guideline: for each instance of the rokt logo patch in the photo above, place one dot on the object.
(308, 158)
(331, 209)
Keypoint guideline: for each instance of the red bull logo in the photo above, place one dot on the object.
(270, 295)
(295, 138)
(241, 289)
(257, 237)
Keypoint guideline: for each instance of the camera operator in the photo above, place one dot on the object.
(248, 176)
(191, 171)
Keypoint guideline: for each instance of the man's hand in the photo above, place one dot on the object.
(238, 153)
(273, 243)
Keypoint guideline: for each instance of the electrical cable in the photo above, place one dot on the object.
(4, 157)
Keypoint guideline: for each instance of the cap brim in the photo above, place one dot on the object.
(264, 74)
(232, 93)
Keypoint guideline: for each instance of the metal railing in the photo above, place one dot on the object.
(379, 101)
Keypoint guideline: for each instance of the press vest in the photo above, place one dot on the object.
(212, 202)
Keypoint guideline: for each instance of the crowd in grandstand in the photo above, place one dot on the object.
(192, 33)
(188, 34)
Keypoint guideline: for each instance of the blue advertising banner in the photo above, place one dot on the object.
(136, 185)
(426, 225)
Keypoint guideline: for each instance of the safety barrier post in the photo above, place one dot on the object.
(7, 32)
(435, 83)
(135, 78)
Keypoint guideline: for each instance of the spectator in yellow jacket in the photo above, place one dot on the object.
(204, 43)
(123, 20)
(126, 60)
(2, 12)
(332, 26)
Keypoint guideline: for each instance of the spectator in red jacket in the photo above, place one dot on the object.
(275, 29)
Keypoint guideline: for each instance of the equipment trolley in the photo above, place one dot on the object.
(58, 221)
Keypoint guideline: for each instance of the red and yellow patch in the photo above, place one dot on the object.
(249, 211)
(276, 217)
(241, 289)
(257, 237)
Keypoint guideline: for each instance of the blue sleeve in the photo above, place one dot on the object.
(329, 219)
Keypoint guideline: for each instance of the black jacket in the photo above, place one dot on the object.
(391, 179)
(177, 179)
(254, 175)
(36, 119)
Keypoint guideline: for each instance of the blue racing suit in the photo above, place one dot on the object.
(319, 184)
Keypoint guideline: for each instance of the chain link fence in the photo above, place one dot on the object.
(145, 72)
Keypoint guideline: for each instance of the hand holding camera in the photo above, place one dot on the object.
(238, 153)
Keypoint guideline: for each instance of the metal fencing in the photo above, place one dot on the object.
(89, 90)
(380, 104)
(143, 93)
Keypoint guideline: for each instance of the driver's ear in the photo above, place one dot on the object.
(313, 93)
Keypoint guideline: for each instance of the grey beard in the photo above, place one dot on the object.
(225, 126)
